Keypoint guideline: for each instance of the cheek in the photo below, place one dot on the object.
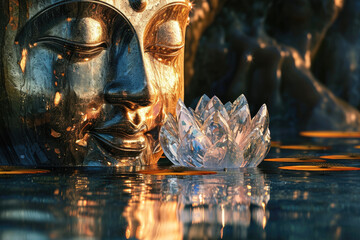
(38, 87)
(168, 79)
(87, 79)
(171, 86)
(64, 90)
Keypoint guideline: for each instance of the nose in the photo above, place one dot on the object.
(128, 83)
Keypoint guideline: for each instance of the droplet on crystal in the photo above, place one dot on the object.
(204, 100)
(169, 139)
(193, 147)
(225, 153)
(214, 105)
(215, 127)
(261, 120)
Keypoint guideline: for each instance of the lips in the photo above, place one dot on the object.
(120, 136)
(135, 143)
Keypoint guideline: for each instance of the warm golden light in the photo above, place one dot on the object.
(264, 222)
(319, 168)
(341, 157)
(172, 172)
(304, 147)
(57, 98)
(292, 160)
(330, 134)
(149, 219)
(222, 216)
(23, 59)
(5, 170)
(83, 141)
(275, 143)
(297, 58)
(55, 134)
(339, 3)
(308, 53)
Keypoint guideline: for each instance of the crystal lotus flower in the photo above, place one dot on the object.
(216, 135)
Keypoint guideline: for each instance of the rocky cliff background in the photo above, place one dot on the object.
(300, 57)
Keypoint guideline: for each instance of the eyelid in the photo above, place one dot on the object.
(80, 48)
(165, 50)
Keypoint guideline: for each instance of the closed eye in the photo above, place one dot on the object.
(73, 50)
(164, 50)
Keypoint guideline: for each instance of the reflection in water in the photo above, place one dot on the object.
(311, 201)
(208, 206)
(330, 134)
(122, 204)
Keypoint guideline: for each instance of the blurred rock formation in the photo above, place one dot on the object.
(299, 57)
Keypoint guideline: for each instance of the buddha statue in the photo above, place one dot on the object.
(88, 83)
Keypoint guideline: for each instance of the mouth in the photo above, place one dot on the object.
(116, 143)
(120, 137)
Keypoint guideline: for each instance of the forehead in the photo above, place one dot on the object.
(137, 19)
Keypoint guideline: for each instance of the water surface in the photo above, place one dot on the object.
(263, 203)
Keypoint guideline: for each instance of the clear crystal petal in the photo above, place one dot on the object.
(240, 123)
(261, 119)
(180, 107)
(214, 105)
(225, 153)
(172, 124)
(185, 121)
(238, 104)
(204, 100)
(193, 147)
(228, 107)
(227, 138)
(196, 117)
(215, 127)
(169, 139)
(256, 148)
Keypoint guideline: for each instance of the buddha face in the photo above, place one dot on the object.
(90, 82)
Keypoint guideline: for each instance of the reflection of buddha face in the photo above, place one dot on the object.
(224, 205)
(89, 82)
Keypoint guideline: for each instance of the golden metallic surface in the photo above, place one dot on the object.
(89, 82)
